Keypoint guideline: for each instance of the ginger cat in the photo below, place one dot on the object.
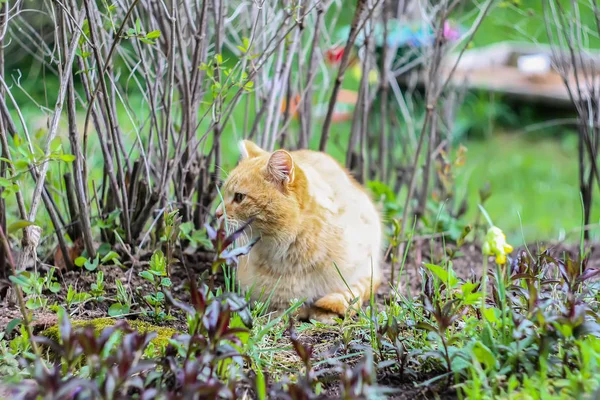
(311, 216)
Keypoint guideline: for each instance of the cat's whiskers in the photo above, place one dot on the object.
(251, 234)
(233, 225)
(244, 238)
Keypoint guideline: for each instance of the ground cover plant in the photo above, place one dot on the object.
(528, 329)
(119, 121)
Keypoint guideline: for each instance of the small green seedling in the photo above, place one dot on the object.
(157, 276)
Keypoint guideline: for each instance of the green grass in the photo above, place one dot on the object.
(508, 20)
(523, 21)
(533, 181)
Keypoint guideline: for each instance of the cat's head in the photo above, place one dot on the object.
(265, 186)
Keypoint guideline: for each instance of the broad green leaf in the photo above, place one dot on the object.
(110, 256)
(460, 364)
(157, 273)
(81, 297)
(153, 35)
(67, 158)
(564, 329)
(21, 164)
(149, 299)
(186, 228)
(34, 304)
(438, 271)
(104, 248)
(468, 288)
(491, 314)
(54, 287)
(472, 298)
(147, 275)
(158, 262)
(55, 145)
(487, 337)
(18, 225)
(166, 282)
(5, 182)
(12, 325)
(92, 266)
(79, 261)
(118, 309)
(446, 276)
(19, 280)
(484, 355)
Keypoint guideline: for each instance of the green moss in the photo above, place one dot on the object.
(158, 343)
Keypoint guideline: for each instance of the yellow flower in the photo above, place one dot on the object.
(356, 71)
(373, 76)
(495, 245)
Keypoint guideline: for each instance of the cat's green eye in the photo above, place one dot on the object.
(238, 197)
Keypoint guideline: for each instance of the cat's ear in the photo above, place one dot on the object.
(250, 150)
(281, 167)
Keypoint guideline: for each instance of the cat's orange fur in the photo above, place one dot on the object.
(311, 216)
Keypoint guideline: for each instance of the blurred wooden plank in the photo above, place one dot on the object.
(494, 68)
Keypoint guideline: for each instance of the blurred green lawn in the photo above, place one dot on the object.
(523, 20)
(535, 194)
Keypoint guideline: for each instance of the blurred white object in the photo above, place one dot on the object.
(534, 64)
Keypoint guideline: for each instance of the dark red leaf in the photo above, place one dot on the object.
(178, 304)
(588, 274)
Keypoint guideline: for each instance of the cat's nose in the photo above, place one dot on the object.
(219, 211)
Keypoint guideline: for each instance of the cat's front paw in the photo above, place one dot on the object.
(334, 303)
(325, 317)
(308, 314)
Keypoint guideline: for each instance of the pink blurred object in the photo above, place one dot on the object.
(450, 33)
